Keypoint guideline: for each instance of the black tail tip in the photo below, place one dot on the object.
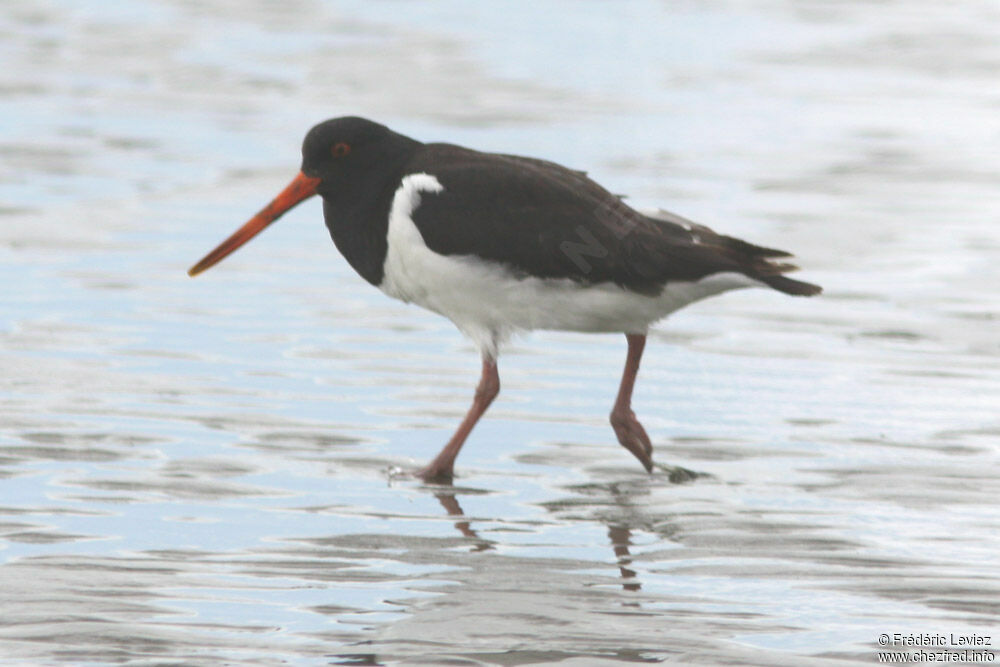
(791, 286)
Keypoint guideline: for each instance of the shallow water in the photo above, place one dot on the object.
(197, 472)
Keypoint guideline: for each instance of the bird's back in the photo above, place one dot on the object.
(543, 220)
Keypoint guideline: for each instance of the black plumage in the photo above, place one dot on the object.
(543, 220)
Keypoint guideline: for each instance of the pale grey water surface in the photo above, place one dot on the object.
(198, 471)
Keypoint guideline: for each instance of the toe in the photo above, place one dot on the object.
(636, 441)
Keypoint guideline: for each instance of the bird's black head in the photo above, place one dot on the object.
(342, 150)
(344, 160)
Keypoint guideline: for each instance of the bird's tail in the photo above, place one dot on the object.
(755, 261)
(791, 286)
(762, 267)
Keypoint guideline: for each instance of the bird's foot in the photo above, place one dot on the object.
(435, 474)
(632, 436)
(679, 475)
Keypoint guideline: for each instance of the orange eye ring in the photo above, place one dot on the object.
(340, 149)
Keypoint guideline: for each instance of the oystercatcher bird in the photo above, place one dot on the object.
(503, 243)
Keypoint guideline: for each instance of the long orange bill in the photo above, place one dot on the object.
(301, 187)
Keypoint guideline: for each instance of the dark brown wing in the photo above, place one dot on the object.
(541, 219)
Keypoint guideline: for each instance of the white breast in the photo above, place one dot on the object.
(488, 302)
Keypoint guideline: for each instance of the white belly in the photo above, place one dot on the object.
(488, 302)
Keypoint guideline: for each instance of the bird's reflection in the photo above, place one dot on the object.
(449, 502)
(620, 510)
(621, 539)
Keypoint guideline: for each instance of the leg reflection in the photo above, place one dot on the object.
(621, 539)
(450, 504)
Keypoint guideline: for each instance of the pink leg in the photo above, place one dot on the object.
(442, 467)
(630, 432)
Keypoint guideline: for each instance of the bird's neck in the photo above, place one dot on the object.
(357, 215)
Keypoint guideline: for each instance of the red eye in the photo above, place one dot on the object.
(340, 149)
